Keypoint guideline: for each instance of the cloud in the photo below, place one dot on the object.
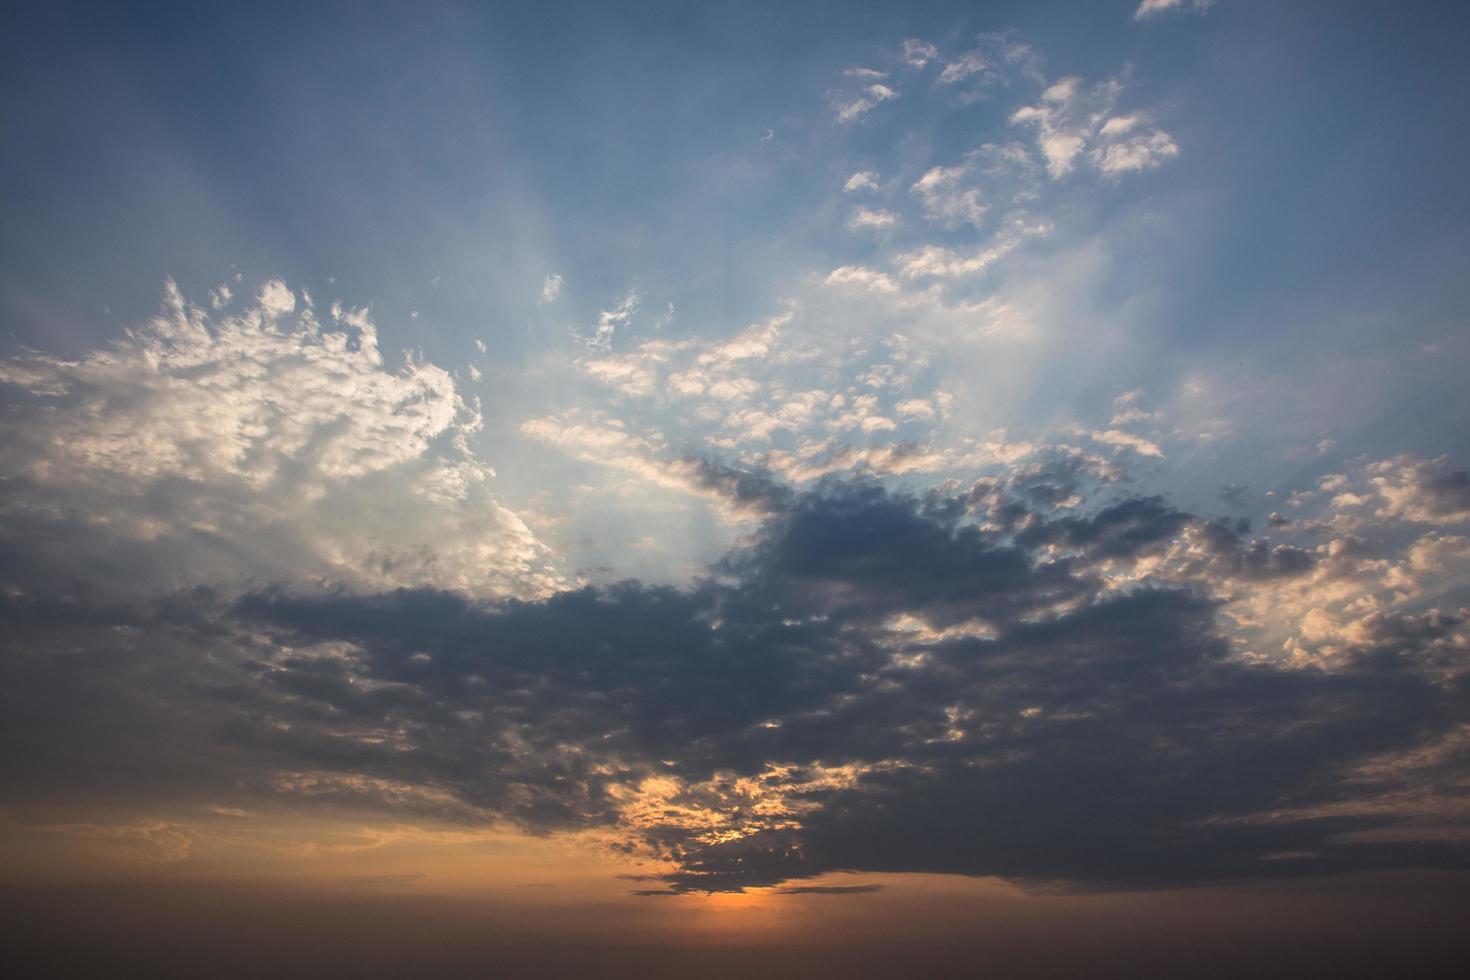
(953, 681)
(261, 445)
(1121, 154)
(994, 61)
(1127, 440)
(738, 495)
(945, 198)
(1424, 491)
(868, 218)
(635, 373)
(608, 321)
(862, 180)
(917, 53)
(551, 288)
(857, 275)
(933, 261)
(962, 67)
(1071, 121)
(1153, 8)
(753, 343)
(852, 108)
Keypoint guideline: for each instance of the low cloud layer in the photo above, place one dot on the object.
(980, 680)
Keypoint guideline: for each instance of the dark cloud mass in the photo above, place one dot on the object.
(973, 682)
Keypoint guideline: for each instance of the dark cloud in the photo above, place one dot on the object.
(757, 493)
(1237, 495)
(1444, 493)
(877, 682)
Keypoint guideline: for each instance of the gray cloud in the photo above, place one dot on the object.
(876, 682)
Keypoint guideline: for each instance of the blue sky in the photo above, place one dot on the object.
(1308, 233)
(464, 353)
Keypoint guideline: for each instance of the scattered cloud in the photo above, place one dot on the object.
(1153, 8)
(1071, 121)
(917, 53)
(609, 321)
(850, 109)
(857, 275)
(947, 197)
(870, 218)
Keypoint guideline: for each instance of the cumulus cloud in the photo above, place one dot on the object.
(947, 198)
(870, 218)
(862, 180)
(1425, 491)
(254, 446)
(755, 342)
(551, 288)
(1072, 122)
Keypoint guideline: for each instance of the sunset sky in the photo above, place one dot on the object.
(713, 489)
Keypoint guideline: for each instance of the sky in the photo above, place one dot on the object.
(728, 487)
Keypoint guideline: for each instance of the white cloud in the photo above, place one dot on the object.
(945, 197)
(857, 275)
(632, 374)
(995, 61)
(868, 218)
(1140, 151)
(275, 299)
(1421, 490)
(608, 321)
(820, 459)
(860, 181)
(1070, 121)
(970, 63)
(754, 341)
(917, 53)
(1127, 440)
(852, 108)
(915, 408)
(1152, 8)
(1126, 408)
(250, 449)
(551, 288)
(934, 261)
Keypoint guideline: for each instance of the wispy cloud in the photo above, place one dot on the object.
(1153, 8)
